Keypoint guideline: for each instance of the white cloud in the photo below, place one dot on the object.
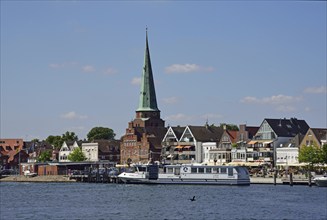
(282, 103)
(187, 68)
(250, 99)
(273, 100)
(62, 65)
(170, 100)
(88, 69)
(316, 90)
(110, 71)
(136, 81)
(73, 115)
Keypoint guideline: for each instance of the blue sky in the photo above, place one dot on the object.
(72, 66)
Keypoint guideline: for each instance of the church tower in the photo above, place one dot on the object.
(142, 140)
(147, 113)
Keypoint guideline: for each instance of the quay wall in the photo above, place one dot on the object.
(48, 178)
(64, 178)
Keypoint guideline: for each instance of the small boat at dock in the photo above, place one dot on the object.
(186, 174)
(321, 181)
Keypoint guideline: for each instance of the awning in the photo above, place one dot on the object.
(170, 156)
(252, 142)
(248, 164)
(179, 147)
(187, 147)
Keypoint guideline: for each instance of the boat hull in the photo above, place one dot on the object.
(187, 181)
(321, 182)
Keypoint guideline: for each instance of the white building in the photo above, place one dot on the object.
(65, 150)
(206, 147)
(287, 156)
(91, 151)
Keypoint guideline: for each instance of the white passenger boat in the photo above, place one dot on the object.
(187, 174)
(321, 181)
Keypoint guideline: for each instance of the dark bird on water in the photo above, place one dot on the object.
(193, 199)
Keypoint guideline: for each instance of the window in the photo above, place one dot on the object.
(208, 170)
(223, 170)
(214, 170)
(201, 170)
(170, 170)
(230, 171)
(194, 170)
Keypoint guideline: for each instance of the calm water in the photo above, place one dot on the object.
(118, 201)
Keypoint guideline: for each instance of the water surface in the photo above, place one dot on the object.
(121, 201)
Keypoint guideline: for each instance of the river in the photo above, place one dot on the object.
(120, 201)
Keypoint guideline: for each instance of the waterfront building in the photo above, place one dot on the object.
(109, 150)
(142, 139)
(316, 136)
(35, 148)
(240, 153)
(287, 156)
(273, 134)
(12, 153)
(66, 149)
(189, 144)
(102, 150)
(91, 151)
(11, 144)
(222, 154)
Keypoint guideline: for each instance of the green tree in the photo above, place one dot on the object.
(55, 141)
(69, 136)
(324, 154)
(98, 133)
(310, 154)
(229, 127)
(77, 155)
(45, 156)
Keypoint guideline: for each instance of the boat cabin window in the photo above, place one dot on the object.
(214, 170)
(177, 171)
(142, 169)
(223, 170)
(170, 170)
(230, 171)
(208, 170)
(201, 170)
(194, 170)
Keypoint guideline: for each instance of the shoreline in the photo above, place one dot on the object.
(64, 178)
(49, 178)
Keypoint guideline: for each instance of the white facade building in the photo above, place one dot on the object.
(206, 147)
(91, 151)
(65, 150)
(287, 156)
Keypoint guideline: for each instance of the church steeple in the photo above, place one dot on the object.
(148, 100)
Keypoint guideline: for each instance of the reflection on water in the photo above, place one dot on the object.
(119, 201)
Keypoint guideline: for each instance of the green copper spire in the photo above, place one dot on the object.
(148, 100)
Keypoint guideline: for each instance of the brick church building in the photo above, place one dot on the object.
(142, 140)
